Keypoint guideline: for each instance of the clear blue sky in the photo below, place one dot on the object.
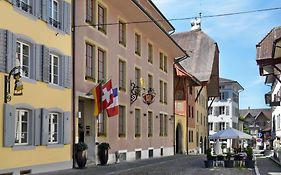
(236, 36)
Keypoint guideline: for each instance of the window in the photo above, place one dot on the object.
(122, 121)
(22, 127)
(101, 65)
(23, 58)
(54, 69)
(227, 110)
(150, 124)
(211, 126)
(137, 123)
(122, 75)
(190, 136)
(90, 63)
(201, 119)
(189, 111)
(90, 11)
(53, 127)
(150, 53)
(138, 77)
(221, 126)
(163, 92)
(24, 5)
(197, 116)
(150, 81)
(210, 111)
(101, 18)
(221, 110)
(137, 44)
(190, 90)
(163, 62)
(163, 124)
(122, 33)
(102, 124)
(192, 112)
(54, 13)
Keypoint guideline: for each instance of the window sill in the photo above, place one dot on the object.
(122, 135)
(123, 44)
(137, 135)
(88, 78)
(55, 145)
(55, 86)
(23, 147)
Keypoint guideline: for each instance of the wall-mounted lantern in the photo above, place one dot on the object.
(18, 87)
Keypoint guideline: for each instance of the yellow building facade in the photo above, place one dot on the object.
(36, 127)
(201, 120)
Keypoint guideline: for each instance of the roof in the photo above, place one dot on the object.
(204, 57)
(256, 112)
(226, 81)
(201, 48)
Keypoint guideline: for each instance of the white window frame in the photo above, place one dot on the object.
(52, 74)
(52, 126)
(54, 14)
(18, 129)
(19, 59)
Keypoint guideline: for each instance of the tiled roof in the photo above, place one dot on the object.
(256, 112)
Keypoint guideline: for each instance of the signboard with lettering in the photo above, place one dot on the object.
(180, 107)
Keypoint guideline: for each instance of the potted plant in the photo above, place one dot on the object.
(228, 163)
(103, 152)
(81, 154)
(209, 163)
(249, 162)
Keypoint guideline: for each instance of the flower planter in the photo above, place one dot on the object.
(81, 158)
(228, 163)
(209, 163)
(103, 153)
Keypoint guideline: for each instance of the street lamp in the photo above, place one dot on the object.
(18, 84)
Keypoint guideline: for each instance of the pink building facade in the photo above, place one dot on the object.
(112, 43)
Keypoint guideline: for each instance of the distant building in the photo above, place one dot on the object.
(203, 65)
(257, 122)
(224, 110)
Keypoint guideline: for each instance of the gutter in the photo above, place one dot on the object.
(73, 83)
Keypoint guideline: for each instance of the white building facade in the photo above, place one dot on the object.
(224, 111)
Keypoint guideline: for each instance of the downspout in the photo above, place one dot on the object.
(73, 84)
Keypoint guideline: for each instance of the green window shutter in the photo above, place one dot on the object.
(37, 126)
(3, 49)
(38, 62)
(11, 51)
(45, 127)
(46, 63)
(66, 17)
(9, 125)
(66, 128)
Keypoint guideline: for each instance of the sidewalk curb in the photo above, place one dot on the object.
(257, 172)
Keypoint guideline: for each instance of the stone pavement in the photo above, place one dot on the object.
(266, 166)
(172, 165)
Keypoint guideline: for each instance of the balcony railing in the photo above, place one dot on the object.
(24, 6)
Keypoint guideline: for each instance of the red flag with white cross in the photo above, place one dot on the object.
(107, 94)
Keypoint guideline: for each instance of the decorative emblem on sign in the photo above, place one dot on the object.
(148, 94)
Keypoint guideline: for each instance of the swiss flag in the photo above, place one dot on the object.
(107, 95)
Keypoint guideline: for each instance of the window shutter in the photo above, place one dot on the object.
(37, 126)
(45, 10)
(38, 62)
(61, 14)
(31, 133)
(227, 110)
(32, 60)
(36, 8)
(46, 62)
(66, 17)
(11, 51)
(226, 125)
(67, 72)
(45, 126)
(61, 70)
(60, 130)
(3, 48)
(66, 128)
(216, 111)
(9, 125)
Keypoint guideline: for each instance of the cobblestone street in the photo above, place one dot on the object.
(173, 165)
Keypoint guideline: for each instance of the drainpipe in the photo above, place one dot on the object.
(73, 83)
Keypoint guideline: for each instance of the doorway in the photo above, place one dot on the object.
(179, 139)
